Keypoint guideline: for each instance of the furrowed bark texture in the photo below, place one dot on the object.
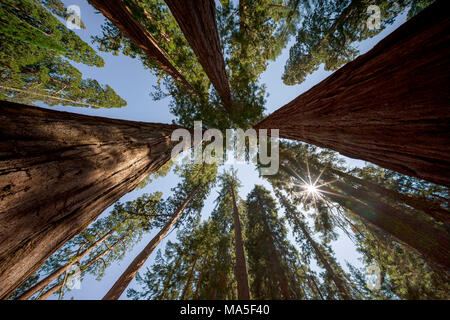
(121, 17)
(58, 172)
(197, 20)
(389, 106)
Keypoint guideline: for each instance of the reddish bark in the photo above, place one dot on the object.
(241, 265)
(121, 17)
(58, 172)
(197, 20)
(389, 106)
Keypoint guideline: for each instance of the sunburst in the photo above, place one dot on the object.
(311, 188)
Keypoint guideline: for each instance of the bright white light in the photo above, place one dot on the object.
(311, 188)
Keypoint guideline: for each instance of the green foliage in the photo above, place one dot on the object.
(271, 258)
(330, 30)
(127, 222)
(401, 266)
(34, 64)
(268, 25)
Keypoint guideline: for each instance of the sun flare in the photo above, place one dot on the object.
(311, 188)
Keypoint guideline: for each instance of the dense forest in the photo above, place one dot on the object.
(66, 178)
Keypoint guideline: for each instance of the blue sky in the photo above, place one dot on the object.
(134, 84)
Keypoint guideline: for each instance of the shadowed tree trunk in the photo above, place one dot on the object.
(276, 262)
(389, 106)
(422, 204)
(121, 17)
(428, 239)
(124, 280)
(47, 280)
(58, 172)
(197, 20)
(241, 266)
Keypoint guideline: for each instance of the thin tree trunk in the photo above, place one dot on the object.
(343, 292)
(55, 274)
(189, 280)
(124, 280)
(197, 20)
(121, 17)
(277, 263)
(168, 279)
(389, 106)
(311, 279)
(58, 172)
(241, 266)
(199, 281)
(151, 18)
(59, 285)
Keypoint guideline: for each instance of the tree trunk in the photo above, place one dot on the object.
(199, 280)
(431, 242)
(428, 239)
(55, 274)
(121, 17)
(197, 20)
(189, 280)
(389, 106)
(124, 280)
(241, 266)
(59, 285)
(58, 172)
(314, 285)
(277, 263)
(426, 206)
(343, 292)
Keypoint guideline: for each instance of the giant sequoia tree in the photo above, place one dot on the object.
(197, 20)
(371, 108)
(96, 248)
(58, 172)
(121, 15)
(301, 168)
